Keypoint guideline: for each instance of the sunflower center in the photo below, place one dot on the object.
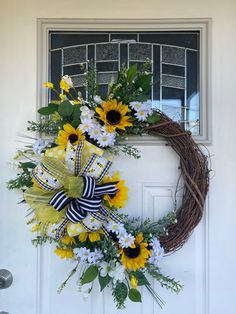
(73, 138)
(113, 117)
(132, 252)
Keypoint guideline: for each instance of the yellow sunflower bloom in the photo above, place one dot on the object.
(134, 258)
(92, 236)
(118, 201)
(64, 253)
(68, 240)
(69, 134)
(114, 115)
(48, 85)
(133, 282)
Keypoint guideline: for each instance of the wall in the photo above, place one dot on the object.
(18, 103)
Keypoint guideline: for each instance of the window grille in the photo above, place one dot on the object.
(175, 65)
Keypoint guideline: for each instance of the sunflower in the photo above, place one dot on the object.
(64, 253)
(68, 240)
(92, 236)
(118, 201)
(135, 257)
(69, 134)
(114, 115)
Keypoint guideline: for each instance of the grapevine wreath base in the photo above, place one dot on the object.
(74, 195)
(195, 173)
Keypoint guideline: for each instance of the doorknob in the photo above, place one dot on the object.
(5, 280)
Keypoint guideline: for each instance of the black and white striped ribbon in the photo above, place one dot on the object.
(90, 201)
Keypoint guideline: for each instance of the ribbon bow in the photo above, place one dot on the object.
(76, 187)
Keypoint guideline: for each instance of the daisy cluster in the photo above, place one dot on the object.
(94, 129)
(125, 239)
(142, 109)
(157, 252)
(88, 256)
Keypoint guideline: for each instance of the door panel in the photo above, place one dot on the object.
(151, 181)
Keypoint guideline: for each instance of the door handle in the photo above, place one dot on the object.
(6, 279)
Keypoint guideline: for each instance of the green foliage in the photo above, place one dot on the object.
(103, 281)
(40, 240)
(48, 110)
(23, 179)
(65, 109)
(154, 118)
(120, 293)
(142, 280)
(165, 281)
(89, 275)
(132, 85)
(45, 127)
(92, 88)
(134, 295)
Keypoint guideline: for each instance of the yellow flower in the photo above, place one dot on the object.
(76, 102)
(35, 228)
(133, 282)
(69, 134)
(64, 86)
(114, 115)
(64, 253)
(92, 236)
(68, 240)
(135, 257)
(48, 85)
(62, 96)
(121, 196)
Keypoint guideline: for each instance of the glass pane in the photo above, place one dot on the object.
(175, 65)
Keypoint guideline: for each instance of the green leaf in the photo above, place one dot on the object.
(65, 109)
(135, 295)
(154, 118)
(53, 106)
(89, 275)
(26, 165)
(120, 293)
(142, 280)
(131, 73)
(75, 123)
(104, 281)
(76, 112)
(46, 111)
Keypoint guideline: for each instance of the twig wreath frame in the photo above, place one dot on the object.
(195, 173)
(74, 199)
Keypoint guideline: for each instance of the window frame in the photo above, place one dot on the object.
(45, 26)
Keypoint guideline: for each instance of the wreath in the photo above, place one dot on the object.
(75, 195)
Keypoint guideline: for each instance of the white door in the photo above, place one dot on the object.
(206, 264)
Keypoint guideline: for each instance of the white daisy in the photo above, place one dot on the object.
(135, 105)
(95, 256)
(86, 113)
(126, 240)
(83, 253)
(106, 139)
(141, 115)
(86, 125)
(95, 132)
(116, 227)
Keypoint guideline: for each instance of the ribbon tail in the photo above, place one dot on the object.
(61, 231)
(60, 200)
